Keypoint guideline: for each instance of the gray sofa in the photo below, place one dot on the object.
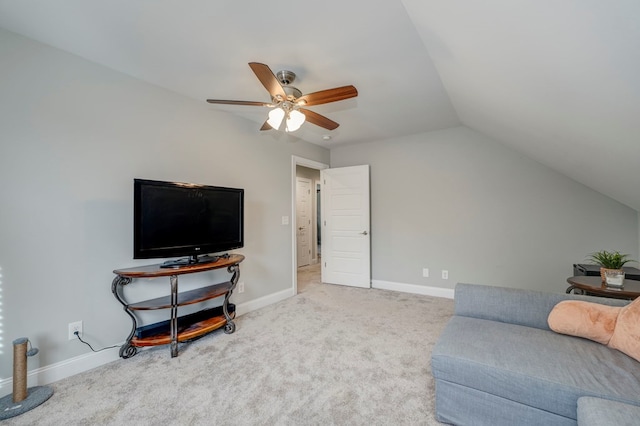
(498, 363)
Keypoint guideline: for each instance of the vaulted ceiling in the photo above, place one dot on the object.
(558, 81)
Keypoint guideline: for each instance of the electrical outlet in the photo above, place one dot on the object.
(241, 287)
(445, 274)
(73, 327)
(425, 272)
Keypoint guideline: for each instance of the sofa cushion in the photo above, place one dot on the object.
(584, 319)
(515, 306)
(626, 336)
(531, 366)
(602, 412)
(461, 405)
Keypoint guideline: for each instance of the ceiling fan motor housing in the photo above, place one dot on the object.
(286, 77)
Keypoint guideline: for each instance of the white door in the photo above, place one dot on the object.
(346, 239)
(303, 220)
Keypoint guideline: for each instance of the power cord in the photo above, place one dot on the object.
(77, 334)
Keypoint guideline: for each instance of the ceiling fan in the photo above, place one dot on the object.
(287, 102)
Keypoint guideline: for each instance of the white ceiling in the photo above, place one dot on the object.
(558, 81)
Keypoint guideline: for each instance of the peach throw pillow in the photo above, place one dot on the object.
(584, 319)
(626, 336)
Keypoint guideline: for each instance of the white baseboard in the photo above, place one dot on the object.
(60, 370)
(72, 366)
(414, 289)
(270, 299)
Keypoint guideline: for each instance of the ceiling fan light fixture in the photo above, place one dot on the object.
(288, 102)
(275, 117)
(295, 120)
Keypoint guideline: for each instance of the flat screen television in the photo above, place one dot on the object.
(173, 219)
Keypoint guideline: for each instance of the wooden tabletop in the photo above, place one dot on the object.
(151, 271)
(594, 285)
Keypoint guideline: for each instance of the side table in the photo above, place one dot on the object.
(595, 287)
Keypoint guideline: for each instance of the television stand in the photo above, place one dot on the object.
(177, 332)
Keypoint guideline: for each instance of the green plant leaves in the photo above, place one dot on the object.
(610, 259)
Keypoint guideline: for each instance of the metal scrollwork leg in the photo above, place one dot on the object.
(174, 316)
(126, 350)
(230, 326)
(575, 290)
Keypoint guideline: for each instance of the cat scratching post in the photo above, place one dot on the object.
(22, 399)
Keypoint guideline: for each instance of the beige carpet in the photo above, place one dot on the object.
(331, 355)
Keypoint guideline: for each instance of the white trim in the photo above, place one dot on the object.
(298, 161)
(413, 288)
(63, 369)
(270, 299)
(72, 366)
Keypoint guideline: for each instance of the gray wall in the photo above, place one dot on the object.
(74, 135)
(456, 200)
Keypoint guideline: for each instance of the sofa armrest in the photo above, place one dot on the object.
(516, 306)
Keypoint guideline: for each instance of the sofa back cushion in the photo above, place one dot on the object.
(515, 306)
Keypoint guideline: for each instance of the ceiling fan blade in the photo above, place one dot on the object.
(329, 95)
(268, 79)
(266, 126)
(248, 103)
(319, 120)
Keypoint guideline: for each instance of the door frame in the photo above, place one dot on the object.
(298, 161)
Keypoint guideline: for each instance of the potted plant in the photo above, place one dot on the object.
(612, 261)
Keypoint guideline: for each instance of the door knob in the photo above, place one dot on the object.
(364, 233)
(300, 229)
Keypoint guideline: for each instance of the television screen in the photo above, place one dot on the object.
(182, 219)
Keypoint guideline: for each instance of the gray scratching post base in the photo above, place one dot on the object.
(35, 396)
(22, 399)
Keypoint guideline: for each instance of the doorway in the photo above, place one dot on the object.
(346, 245)
(306, 273)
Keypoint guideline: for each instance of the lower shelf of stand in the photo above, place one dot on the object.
(184, 333)
(186, 298)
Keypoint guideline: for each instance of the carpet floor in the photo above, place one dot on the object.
(331, 355)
